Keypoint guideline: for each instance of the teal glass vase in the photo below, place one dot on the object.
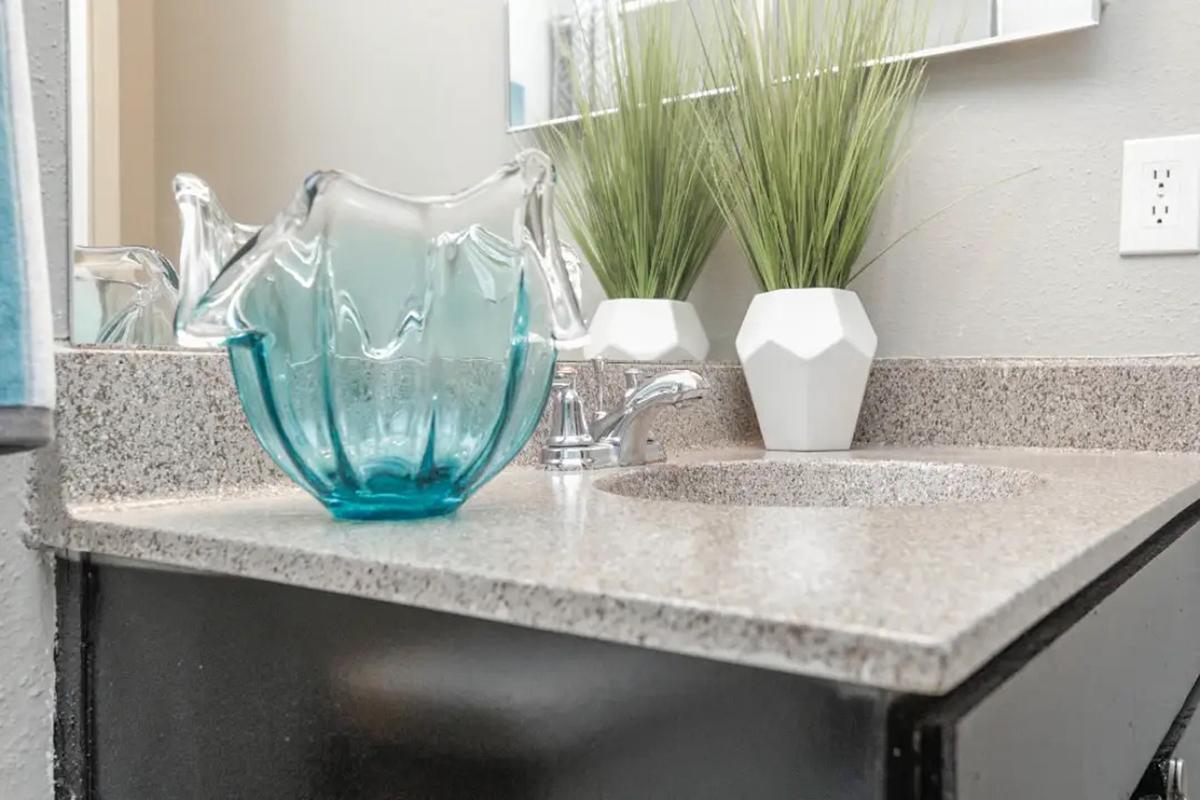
(392, 352)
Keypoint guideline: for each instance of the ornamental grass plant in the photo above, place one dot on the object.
(633, 189)
(803, 144)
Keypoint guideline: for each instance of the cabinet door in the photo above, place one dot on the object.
(291, 694)
(1083, 716)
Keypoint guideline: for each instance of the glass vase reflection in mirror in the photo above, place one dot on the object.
(124, 296)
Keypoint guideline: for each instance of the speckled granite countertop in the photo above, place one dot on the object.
(911, 598)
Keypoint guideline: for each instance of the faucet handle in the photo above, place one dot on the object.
(564, 377)
(598, 373)
(634, 378)
(568, 421)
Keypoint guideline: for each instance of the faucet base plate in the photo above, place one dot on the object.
(566, 458)
(600, 455)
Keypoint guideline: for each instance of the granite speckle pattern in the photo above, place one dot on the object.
(143, 423)
(910, 598)
(139, 423)
(1148, 403)
(829, 483)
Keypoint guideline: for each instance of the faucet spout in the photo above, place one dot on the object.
(627, 427)
(620, 436)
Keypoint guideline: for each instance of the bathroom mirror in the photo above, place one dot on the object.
(253, 96)
(546, 36)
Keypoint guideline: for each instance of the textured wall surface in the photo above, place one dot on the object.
(26, 647)
(26, 578)
(1029, 268)
(46, 31)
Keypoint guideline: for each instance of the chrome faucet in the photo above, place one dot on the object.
(618, 436)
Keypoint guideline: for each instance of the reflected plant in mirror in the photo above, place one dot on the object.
(802, 150)
(546, 36)
(633, 190)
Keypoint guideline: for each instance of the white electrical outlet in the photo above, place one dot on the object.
(1160, 196)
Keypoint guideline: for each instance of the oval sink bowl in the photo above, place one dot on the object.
(816, 483)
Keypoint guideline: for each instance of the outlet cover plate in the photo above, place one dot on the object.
(1160, 196)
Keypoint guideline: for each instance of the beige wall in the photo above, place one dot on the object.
(253, 96)
(122, 128)
(106, 123)
(138, 138)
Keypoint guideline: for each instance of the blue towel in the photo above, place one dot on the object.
(26, 335)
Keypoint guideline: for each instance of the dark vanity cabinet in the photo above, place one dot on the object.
(194, 686)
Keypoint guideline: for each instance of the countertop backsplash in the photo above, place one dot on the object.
(138, 424)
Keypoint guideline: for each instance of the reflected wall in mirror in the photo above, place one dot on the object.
(547, 36)
(252, 96)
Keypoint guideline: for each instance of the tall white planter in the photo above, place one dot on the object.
(807, 354)
(646, 330)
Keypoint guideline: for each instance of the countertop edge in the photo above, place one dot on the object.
(1089, 568)
(866, 659)
(902, 663)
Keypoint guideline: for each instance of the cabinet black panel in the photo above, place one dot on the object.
(201, 686)
(1078, 705)
(1084, 716)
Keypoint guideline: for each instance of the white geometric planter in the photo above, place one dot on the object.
(807, 354)
(646, 330)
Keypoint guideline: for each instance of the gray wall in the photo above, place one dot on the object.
(1025, 269)
(1029, 268)
(46, 32)
(26, 578)
(26, 648)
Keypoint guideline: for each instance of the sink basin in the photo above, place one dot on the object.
(821, 483)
